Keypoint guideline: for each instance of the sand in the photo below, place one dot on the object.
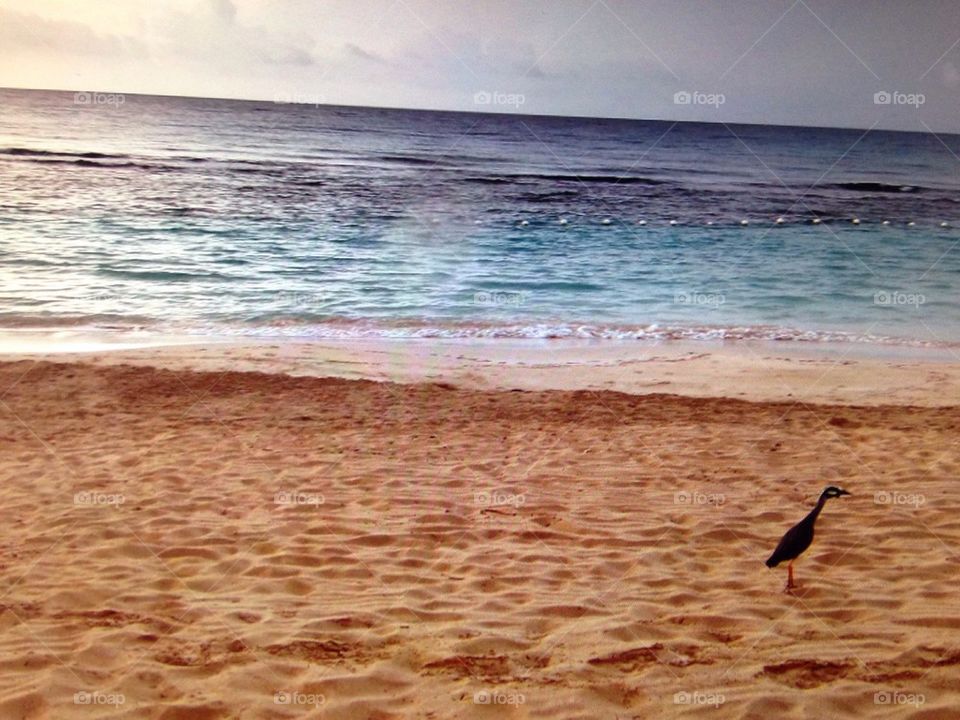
(183, 543)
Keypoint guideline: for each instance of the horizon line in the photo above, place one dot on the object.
(397, 108)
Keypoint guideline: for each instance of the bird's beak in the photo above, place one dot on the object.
(844, 492)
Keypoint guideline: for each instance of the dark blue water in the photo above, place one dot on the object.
(222, 216)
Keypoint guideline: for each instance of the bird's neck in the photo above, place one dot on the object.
(816, 511)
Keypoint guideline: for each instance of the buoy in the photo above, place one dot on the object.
(816, 221)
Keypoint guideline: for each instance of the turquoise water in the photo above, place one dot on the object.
(251, 218)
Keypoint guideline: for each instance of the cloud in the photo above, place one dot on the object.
(358, 52)
(288, 56)
(31, 33)
(225, 10)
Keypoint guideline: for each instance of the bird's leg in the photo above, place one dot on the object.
(790, 583)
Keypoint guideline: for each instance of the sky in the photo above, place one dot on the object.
(859, 63)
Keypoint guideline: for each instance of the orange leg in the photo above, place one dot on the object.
(790, 584)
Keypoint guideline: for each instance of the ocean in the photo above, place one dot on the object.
(196, 216)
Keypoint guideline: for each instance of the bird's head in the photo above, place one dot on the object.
(833, 492)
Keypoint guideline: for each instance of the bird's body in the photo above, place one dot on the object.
(798, 538)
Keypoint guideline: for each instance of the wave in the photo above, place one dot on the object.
(161, 275)
(549, 177)
(31, 152)
(340, 328)
(876, 187)
(345, 329)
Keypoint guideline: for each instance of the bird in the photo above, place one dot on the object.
(798, 538)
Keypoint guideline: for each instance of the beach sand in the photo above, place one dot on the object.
(199, 542)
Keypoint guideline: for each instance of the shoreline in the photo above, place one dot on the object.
(761, 371)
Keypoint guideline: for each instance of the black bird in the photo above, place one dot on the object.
(798, 538)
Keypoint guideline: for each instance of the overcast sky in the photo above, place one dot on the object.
(810, 62)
